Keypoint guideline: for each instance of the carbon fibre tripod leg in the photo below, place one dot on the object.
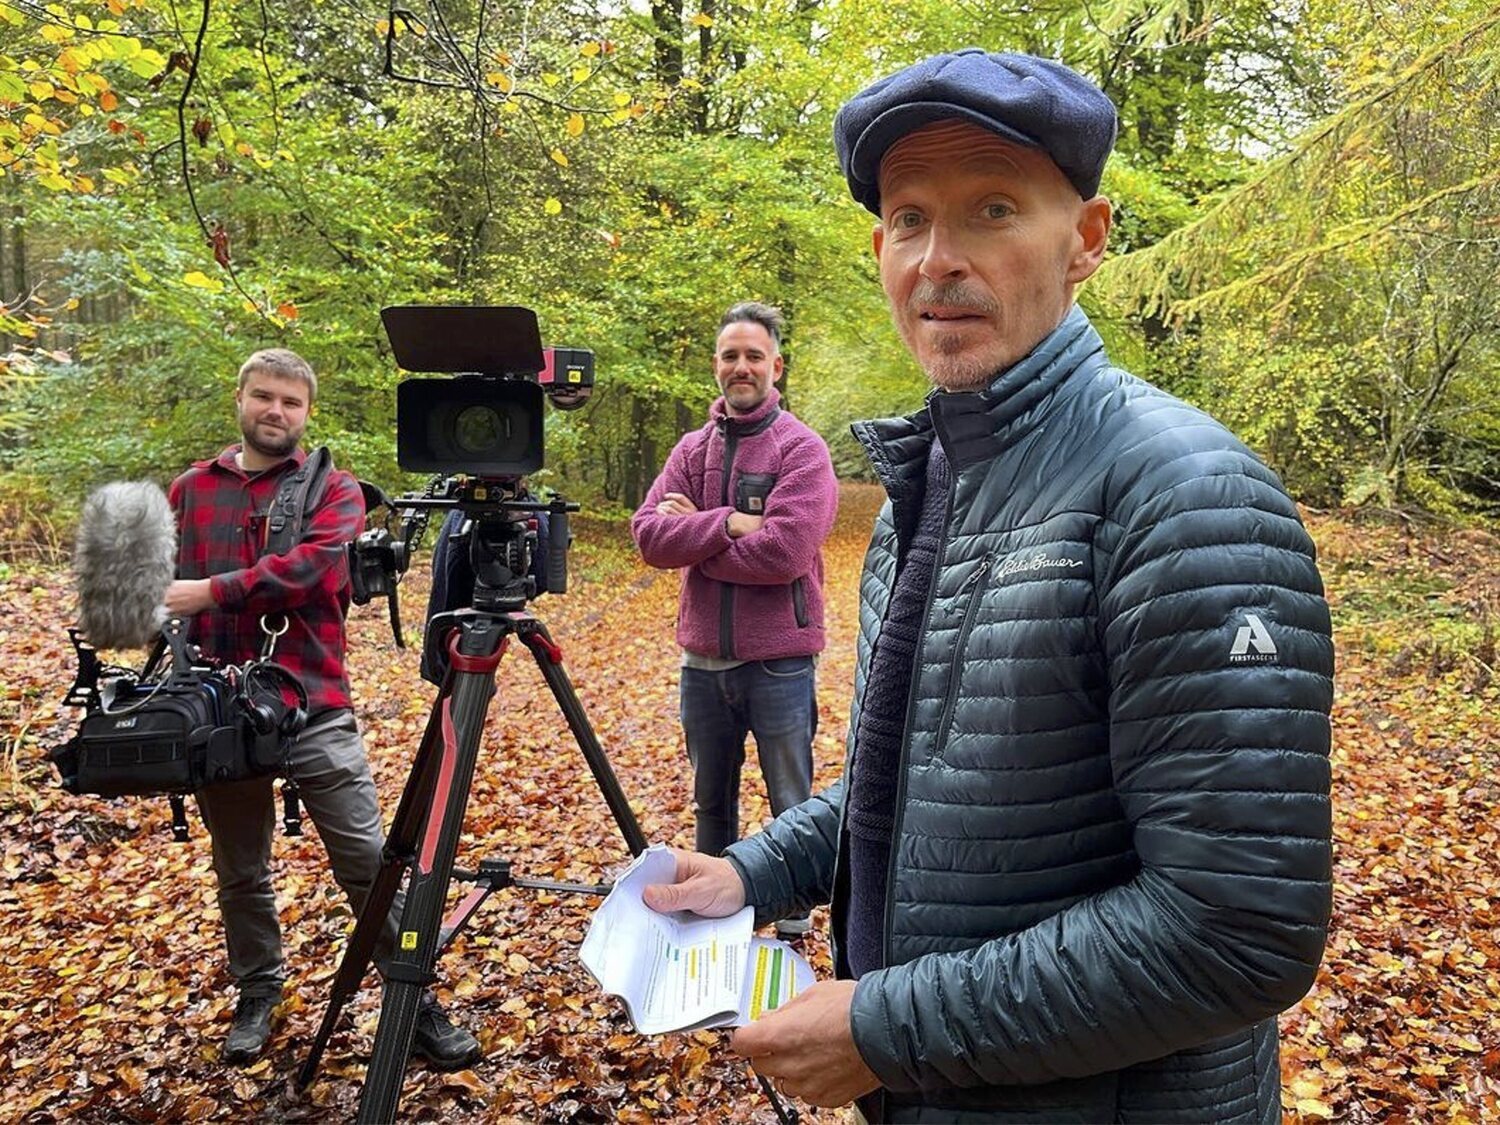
(475, 652)
(400, 845)
(549, 660)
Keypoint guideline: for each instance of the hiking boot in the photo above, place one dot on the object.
(251, 1030)
(790, 929)
(444, 1045)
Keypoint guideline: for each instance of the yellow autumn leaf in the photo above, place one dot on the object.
(199, 280)
(41, 91)
(550, 78)
(1313, 1107)
(703, 20)
(560, 156)
(553, 207)
(622, 99)
(580, 74)
(500, 81)
(589, 50)
(53, 182)
(83, 183)
(575, 125)
(1307, 1086)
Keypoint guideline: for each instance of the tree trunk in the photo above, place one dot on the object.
(635, 447)
(666, 15)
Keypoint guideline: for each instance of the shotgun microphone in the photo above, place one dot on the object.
(125, 558)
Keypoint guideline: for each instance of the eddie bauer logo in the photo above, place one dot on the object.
(1253, 634)
(1015, 564)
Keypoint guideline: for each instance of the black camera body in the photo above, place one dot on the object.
(377, 559)
(479, 433)
(487, 422)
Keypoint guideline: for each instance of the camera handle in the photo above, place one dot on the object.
(424, 839)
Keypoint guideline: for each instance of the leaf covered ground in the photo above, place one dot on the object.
(114, 998)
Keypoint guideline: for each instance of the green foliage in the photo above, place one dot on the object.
(1303, 231)
(1340, 304)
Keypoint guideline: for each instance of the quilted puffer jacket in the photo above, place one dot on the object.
(1111, 865)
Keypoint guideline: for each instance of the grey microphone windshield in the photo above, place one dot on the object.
(124, 560)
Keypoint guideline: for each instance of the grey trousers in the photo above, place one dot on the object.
(329, 764)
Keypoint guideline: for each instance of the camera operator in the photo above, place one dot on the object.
(744, 505)
(226, 584)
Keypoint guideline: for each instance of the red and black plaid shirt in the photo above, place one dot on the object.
(221, 520)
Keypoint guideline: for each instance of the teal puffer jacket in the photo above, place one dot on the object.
(1112, 858)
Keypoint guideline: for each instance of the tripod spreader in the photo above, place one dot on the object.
(494, 875)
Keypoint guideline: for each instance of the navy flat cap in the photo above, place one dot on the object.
(1025, 99)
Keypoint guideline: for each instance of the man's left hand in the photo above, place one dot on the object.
(807, 1047)
(187, 596)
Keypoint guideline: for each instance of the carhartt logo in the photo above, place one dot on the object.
(1253, 634)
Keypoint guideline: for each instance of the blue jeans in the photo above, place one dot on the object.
(776, 700)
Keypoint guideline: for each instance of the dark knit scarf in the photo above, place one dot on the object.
(870, 812)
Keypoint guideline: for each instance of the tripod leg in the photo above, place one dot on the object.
(475, 653)
(399, 845)
(549, 660)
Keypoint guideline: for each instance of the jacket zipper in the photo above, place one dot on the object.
(950, 700)
(899, 811)
(726, 594)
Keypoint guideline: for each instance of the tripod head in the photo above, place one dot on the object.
(517, 546)
(498, 549)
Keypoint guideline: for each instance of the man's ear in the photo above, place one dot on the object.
(1094, 219)
(877, 239)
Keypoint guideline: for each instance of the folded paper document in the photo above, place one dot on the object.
(677, 972)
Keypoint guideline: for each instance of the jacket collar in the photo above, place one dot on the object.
(975, 426)
(746, 424)
(226, 460)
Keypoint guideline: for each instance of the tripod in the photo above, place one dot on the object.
(424, 837)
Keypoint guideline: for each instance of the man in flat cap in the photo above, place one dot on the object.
(1080, 858)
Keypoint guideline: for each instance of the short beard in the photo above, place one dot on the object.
(959, 373)
(282, 448)
(954, 371)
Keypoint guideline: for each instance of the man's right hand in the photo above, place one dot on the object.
(703, 884)
(187, 596)
(741, 524)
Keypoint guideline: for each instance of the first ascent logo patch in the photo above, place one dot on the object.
(1252, 643)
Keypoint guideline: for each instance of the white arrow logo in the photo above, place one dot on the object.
(1253, 634)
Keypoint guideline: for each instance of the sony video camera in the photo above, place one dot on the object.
(488, 421)
(480, 432)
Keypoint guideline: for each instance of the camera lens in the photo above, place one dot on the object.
(479, 429)
(474, 425)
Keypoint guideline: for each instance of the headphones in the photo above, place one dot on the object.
(261, 678)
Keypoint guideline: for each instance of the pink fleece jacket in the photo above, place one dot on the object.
(758, 597)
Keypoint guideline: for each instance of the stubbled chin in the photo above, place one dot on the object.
(956, 370)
